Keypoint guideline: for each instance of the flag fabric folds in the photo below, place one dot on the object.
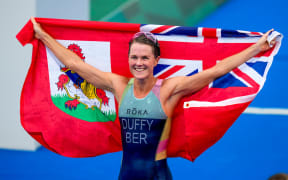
(73, 118)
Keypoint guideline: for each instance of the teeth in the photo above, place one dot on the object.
(137, 69)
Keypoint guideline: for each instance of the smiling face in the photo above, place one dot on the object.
(142, 61)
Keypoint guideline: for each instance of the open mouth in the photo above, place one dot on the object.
(139, 69)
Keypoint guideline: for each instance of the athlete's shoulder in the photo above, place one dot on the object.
(119, 84)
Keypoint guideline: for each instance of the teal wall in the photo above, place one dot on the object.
(170, 12)
(100, 8)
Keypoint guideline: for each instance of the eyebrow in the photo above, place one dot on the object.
(133, 55)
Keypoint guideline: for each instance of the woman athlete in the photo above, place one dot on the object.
(145, 102)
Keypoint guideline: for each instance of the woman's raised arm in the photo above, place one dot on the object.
(100, 79)
(177, 87)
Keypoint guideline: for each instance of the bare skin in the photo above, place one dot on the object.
(141, 64)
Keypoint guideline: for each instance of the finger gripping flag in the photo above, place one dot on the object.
(71, 117)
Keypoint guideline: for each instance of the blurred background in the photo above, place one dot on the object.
(255, 147)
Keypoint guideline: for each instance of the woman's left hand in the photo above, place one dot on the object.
(263, 45)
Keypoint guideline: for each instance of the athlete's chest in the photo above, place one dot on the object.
(147, 107)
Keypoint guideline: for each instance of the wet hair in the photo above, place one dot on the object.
(280, 176)
(145, 38)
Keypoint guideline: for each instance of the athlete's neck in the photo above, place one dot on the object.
(143, 86)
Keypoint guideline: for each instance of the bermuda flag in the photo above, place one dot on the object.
(73, 118)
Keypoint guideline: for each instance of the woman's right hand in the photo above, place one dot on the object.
(39, 32)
